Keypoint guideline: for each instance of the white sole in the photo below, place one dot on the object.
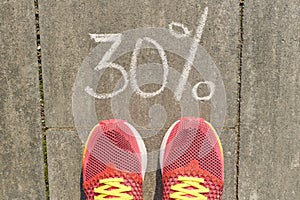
(164, 143)
(142, 148)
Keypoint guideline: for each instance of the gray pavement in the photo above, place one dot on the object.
(269, 129)
(257, 55)
(65, 43)
(21, 155)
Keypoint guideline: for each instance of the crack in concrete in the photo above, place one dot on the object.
(41, 87)
(241, 41)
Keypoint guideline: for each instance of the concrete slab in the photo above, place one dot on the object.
(21, 155)
(228, 140)
(269, 143)
(65, 43)
(64, 162)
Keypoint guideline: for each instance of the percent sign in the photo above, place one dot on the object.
(117, 39)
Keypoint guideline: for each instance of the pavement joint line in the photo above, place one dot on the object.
(239, 96)
(229, 128)
(61, 129)
(165, 129)
(41, 89)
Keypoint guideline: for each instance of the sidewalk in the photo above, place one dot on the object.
(256, 49)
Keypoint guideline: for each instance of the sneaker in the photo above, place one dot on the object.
(114, 162)
(192, 161)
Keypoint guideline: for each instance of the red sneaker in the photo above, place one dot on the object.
(192, 161)
(114, 162)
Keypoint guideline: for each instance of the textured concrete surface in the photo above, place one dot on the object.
(64, 163)
(268, 147)
(269, 143)
(21, 156)
(65, 43)
(228, 140)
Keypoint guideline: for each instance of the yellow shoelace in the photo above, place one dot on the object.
(118, 193)
(181, 192)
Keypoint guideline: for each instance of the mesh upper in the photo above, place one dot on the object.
(193, 150)
(193, 139)
(214, 185)
(133, 180)
(112, 151)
